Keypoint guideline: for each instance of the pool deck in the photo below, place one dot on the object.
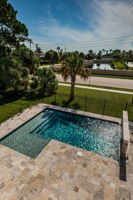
(60, 171)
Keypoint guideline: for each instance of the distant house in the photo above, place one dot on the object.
(39, 54)
(104, 60)
(107, 59)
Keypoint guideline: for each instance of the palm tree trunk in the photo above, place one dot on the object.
(72, 87)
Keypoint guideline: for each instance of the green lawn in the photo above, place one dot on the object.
(107, 76)
(119, 65)
(89, 100)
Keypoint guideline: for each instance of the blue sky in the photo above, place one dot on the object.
(78, 24)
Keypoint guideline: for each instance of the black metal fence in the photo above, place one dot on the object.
(94, 105)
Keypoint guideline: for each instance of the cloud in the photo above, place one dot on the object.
(113, 19)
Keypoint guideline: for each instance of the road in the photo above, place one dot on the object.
(109, 82)
(99, 89)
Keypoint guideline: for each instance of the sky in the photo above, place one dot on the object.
(78, 24)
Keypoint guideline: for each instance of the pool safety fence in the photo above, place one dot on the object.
(95, 105)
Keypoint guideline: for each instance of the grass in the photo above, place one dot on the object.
(119, 65)
(119, 77)
(98, 86)
(89, 100)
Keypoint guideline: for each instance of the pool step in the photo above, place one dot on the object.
(42, 123)
(48, 125)
(52, 121)
(37, 120)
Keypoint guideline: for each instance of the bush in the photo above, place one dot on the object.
(75, 105)
(34, 84)
(46, 80)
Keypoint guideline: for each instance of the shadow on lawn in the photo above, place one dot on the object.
(10, 96)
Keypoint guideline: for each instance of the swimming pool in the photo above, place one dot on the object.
(92, 134)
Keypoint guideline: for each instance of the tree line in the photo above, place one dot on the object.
(19, 65)
(55, 56)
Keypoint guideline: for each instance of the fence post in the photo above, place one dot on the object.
(55, 98)
(69, 105)
(104, 104)
(85, 103)
(126, 106)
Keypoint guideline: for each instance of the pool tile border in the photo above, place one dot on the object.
(88, 114)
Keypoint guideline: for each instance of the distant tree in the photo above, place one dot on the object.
(76, 53)
(90, 66)
(107, 52)
(27, 58)
(60, 54)
(82, 55)
(112, 66)
(66, 55)
(98, 64)
(51, 56)
(103, 50)
(111, 51)
(30, 42)
(38, 49)
(117, 54)
(58, 49)
(99, 55)
(90, 55)
(71, 67)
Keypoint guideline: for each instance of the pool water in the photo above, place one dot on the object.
(92, 134)
(102, 66)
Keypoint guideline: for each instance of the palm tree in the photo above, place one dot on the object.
(30, 42)
(71, 67)
(47, 81)
(103, 50)
(25, 77)
(58, 48)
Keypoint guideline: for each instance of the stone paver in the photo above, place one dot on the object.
(57, 173)
(60, 172)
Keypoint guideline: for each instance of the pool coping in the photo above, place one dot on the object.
(87, 114)
(125, 145)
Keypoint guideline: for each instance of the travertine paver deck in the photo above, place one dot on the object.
(60, 172)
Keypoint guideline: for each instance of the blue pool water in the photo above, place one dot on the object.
(92, 134)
